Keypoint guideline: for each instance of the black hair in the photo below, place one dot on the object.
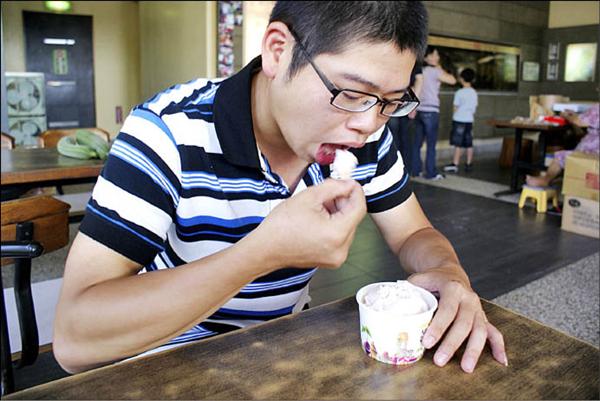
(430, 49)
(332, 26)
(467, 75)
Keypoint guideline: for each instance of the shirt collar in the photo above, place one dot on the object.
(233, 117)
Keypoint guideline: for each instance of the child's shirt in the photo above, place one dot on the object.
(465, 101)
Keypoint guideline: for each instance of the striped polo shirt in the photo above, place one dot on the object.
(185, 179)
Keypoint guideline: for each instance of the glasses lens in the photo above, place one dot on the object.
(399, 108)
(354, 101)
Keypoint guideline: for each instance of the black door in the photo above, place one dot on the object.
(60, 46)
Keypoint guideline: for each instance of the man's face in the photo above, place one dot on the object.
(311, 126)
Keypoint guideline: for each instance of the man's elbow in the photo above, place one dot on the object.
(69, 355)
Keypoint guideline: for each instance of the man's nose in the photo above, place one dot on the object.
(368, 121)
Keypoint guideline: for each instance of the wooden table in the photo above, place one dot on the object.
(520, 165)
(316, 354)
(37, 167)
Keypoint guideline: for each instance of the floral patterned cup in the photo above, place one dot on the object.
(391, 336)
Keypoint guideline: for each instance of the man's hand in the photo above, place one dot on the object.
(315, 227)
(459, 315)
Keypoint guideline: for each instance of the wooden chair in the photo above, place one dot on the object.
(50, 138)
(8, 142)
(29, 226)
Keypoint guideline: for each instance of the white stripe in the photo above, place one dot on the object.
(222, 208)
(193, 132)
(265, 304)
(156, 139)
(176, 94)
(257, 287)
(131, 208)
(382, 182)
(190, 252)
(134, 157)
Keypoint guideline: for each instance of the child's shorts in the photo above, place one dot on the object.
(461, 135)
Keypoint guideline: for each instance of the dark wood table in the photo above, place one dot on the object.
(519, 166)
(316, 354)
(36, 167)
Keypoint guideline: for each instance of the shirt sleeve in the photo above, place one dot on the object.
(134, 200)
(391, 185)
(456, 101)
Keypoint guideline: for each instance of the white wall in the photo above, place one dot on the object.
(177, 43)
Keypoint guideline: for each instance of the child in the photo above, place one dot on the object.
(465, 104)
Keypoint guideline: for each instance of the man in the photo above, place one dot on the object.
(217, 193)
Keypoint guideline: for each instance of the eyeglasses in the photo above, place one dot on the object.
(356, 101)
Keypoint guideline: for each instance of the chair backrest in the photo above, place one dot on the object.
(50, 138)
(8, 142)
(50, 218)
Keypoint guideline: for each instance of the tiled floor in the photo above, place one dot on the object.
(501, 246)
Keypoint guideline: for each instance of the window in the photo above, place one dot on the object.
(581, 62)
(496, 66)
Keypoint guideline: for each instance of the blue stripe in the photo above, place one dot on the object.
(315, 173)
(120, 224)
(138, 160)
(391, 192)
(207, 97)
(384, 148)
(256, 287)
(215, 221)
(206, 232)
(300, 277)
(281, 311)
(154, 119)
(364, 171)
(210, 181)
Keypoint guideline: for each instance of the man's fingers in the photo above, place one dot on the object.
(331, 189)
(497, 344)
(476, 343)
(454, 338)
(444, 316)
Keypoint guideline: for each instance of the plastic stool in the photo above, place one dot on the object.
(541, 195)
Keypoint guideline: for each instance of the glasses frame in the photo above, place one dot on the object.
(408, 96)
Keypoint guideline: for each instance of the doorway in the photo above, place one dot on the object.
(61, 46)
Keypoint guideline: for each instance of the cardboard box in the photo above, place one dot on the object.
(582, 176)
(581, 216)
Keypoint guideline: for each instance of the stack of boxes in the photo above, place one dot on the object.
(581, 190)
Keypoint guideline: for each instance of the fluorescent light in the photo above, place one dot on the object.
(55, 41)
(58, 6)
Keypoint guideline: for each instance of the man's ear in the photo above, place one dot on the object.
(277, 48)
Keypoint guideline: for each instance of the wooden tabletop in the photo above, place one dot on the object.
(316, 354)
(37, 165)
(526, 126)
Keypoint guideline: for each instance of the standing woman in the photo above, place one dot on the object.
(428, 115)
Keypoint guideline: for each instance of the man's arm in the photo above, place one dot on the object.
(107, 311)
(424, 251)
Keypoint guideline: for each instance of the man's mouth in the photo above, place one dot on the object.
(326, 153)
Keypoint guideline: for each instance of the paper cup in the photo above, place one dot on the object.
(390, 336)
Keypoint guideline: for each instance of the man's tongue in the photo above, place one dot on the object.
(326, 153)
